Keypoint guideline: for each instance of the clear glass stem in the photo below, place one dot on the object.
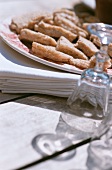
(99, 66)
(101, 58)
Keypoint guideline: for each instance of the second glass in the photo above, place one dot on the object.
(90, 97)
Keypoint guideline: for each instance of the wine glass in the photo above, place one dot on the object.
(91, 95)
(92, 76)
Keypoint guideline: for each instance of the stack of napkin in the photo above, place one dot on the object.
(19, 74)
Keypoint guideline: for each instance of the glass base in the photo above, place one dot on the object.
(86, 109)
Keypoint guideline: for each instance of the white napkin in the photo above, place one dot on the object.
(19, 74)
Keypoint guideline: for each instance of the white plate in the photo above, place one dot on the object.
(13, 41)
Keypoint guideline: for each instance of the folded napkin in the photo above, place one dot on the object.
(19, 74)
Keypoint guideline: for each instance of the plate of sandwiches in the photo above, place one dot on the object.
(58, 39)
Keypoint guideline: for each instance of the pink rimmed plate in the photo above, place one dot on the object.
(12, 40)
